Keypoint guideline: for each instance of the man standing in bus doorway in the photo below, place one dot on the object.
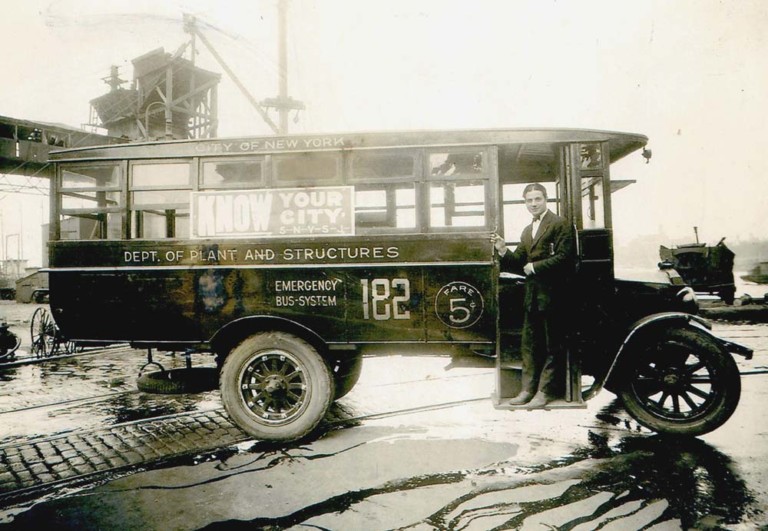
(546, 257)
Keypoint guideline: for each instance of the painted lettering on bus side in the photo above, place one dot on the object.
(140, 256)
(288, 143)
(263, 255)
(385, 299)
(249, 146)
(311, 209)
(271, 213)
(459, 304)
(215, 147)
(233, 213)
(307, 285)
(293, 254)
(311, 292)
(213, 255)
(312, 301)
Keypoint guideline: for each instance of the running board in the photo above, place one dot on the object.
(555, 404)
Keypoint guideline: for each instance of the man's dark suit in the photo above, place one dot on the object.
(551, 252)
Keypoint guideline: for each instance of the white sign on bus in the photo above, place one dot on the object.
(276, 212)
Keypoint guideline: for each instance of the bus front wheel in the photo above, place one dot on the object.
(683, 383)
(276, 387)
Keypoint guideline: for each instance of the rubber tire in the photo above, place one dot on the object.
(178, 381)
(717, 360)
(318, 380)
(346, 373)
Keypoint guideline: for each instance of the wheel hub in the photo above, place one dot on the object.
(273, 384)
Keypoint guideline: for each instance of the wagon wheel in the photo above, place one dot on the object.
(44, 334)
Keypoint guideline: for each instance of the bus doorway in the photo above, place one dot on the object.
(532, 304)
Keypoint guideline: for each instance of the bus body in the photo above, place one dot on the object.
(290, 257)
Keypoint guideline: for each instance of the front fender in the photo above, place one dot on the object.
(666, 319)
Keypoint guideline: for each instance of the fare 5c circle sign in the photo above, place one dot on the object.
(459, 305)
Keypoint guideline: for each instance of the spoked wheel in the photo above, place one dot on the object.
(44, 334)
(275, 386)
(682, 384)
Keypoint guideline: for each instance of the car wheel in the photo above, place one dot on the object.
(275, 386)
(683, 383)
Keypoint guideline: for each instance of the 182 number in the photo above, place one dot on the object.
(382, 298)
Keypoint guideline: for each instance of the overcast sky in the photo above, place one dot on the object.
(691, 75)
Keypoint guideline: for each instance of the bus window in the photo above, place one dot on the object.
(385, 190)
(159, 200)
(456, 163)
(385, 206)
(457, 204)
(307, 169)
(516, 216)
(375, 166)
(247, 173)
(81, 177)
(458, 189)
(91, 206)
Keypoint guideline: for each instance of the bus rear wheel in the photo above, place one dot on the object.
(682, 384)
(276, 387)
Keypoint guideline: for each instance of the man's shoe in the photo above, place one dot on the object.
(523, 397)
(540, 400)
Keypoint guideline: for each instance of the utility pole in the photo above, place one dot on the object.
(284, 104)
(282, 56)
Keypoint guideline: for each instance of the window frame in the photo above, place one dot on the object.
(389, 182)
(134, 223)
(100, 214)
(276, 182)
(488, 177)
(264, 181)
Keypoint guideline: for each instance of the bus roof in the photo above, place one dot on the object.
(620, 143)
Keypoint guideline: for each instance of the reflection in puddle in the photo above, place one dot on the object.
(631, 482)
(638, 482)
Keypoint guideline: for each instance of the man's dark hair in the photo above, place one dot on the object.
(535, 186)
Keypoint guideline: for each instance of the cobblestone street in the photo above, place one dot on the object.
(84, 453)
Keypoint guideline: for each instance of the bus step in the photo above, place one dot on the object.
(556, 404)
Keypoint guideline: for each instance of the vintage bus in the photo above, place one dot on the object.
(290, 258)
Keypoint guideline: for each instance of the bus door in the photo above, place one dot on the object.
(586, 167)
(512, 284)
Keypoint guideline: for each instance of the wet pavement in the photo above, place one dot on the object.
(413, 446)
